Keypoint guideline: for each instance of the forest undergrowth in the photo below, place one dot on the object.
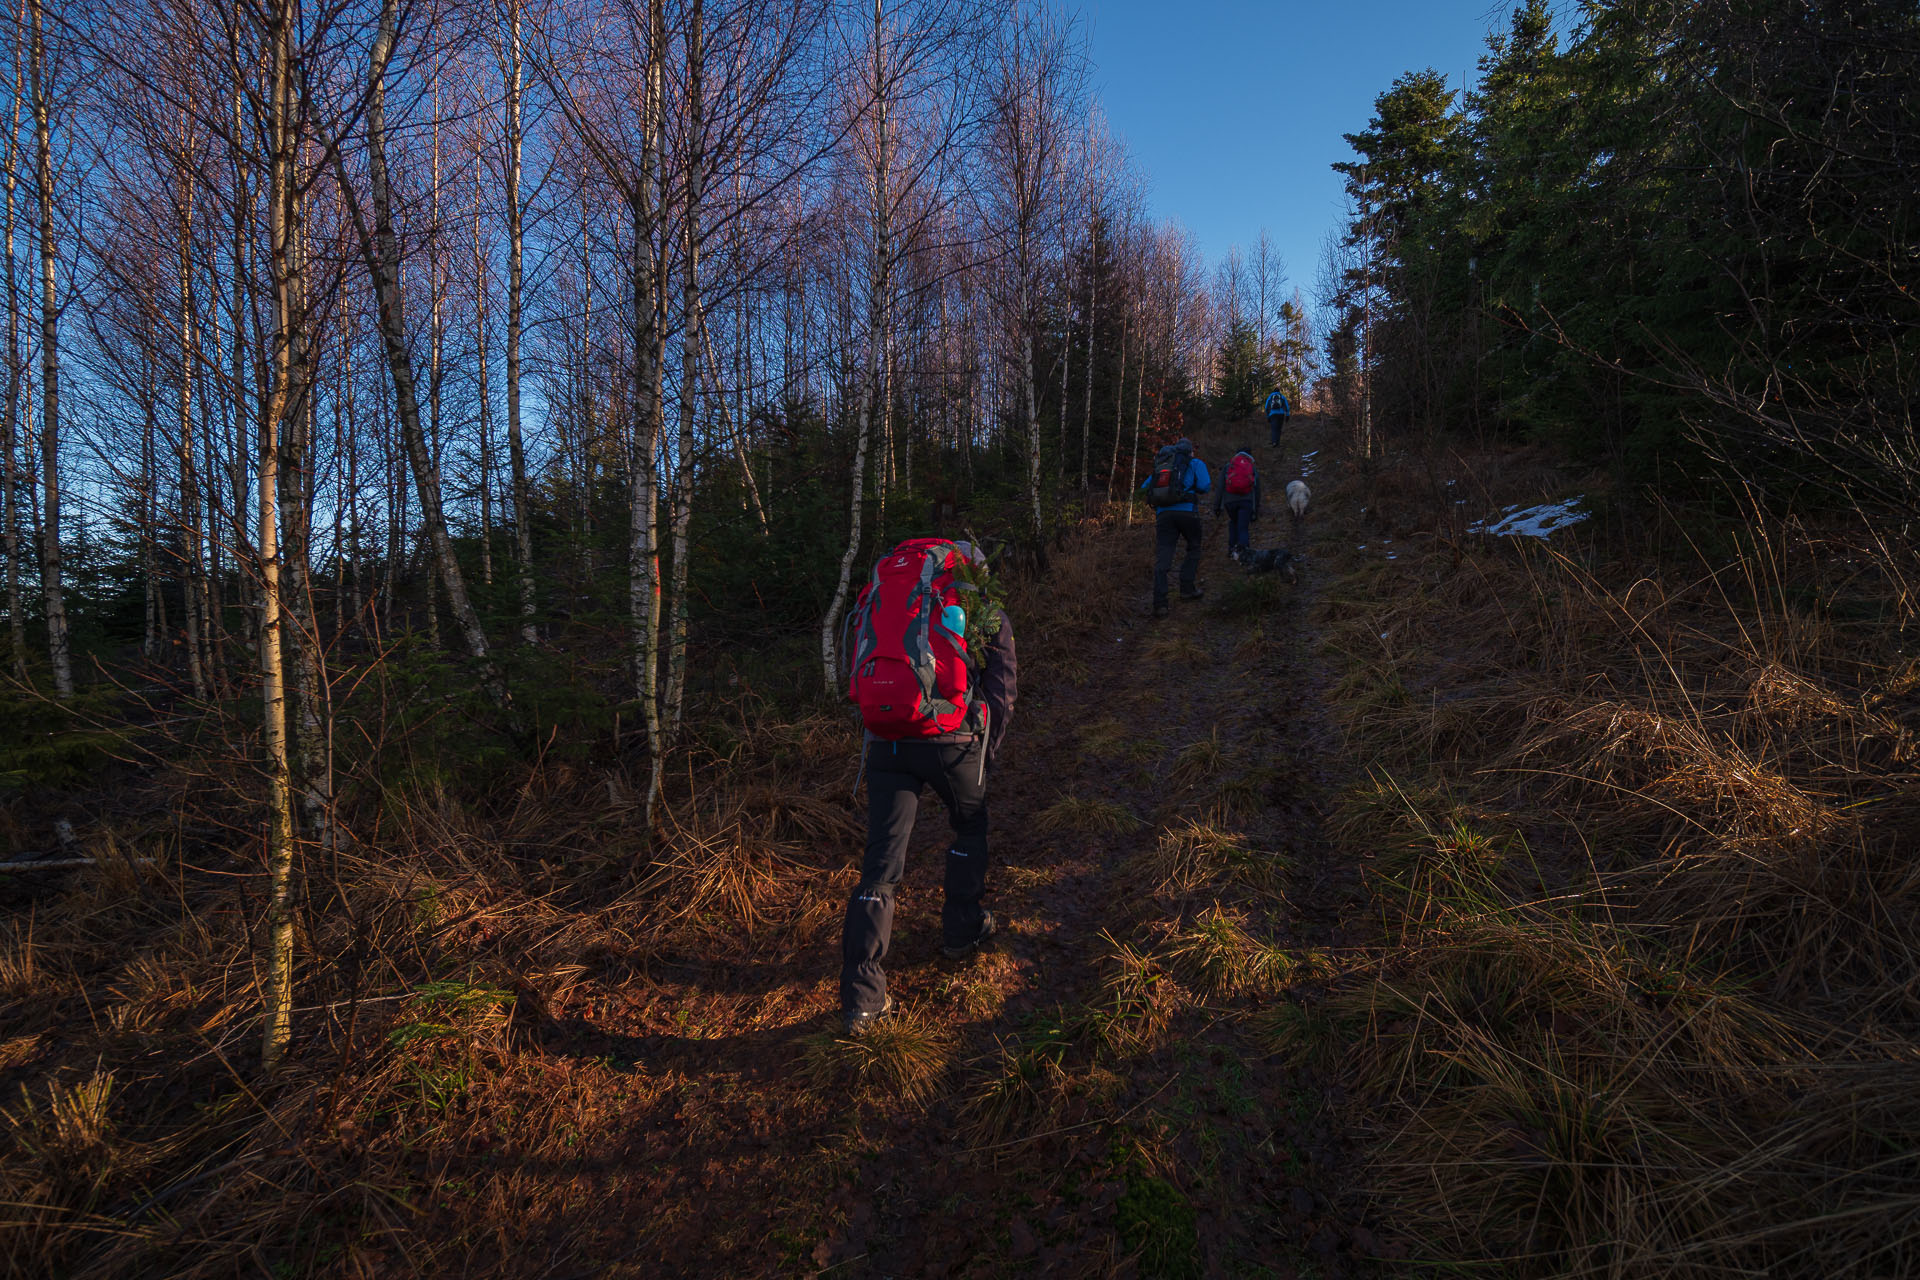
(1536, 906)
(1637, 821)
(527, 1045)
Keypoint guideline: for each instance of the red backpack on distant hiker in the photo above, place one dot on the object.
(1240, 475)
(906, 643)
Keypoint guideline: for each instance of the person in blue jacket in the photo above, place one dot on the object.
(1177, 481)
(1277, 411)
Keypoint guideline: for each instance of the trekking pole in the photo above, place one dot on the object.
(986, 726)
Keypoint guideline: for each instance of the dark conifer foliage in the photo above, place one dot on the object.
(1677, 237)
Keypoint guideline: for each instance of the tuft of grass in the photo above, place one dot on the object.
(71, 1134)
(1111, 739)
(1195, 855)
(1140, 998)
(1198, 761)
(1237, 798)
(1216, 956)
(1086, 814)
(1024, 1084)
(904, 1057)
(714, 880)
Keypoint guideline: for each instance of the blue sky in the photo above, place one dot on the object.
(1233, 109)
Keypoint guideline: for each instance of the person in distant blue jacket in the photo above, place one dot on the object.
(1277, 411)
(1177, 481)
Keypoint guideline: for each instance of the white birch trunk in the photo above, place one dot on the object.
(51, 585)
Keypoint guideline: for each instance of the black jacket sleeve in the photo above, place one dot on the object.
(1256, 495)
(1000, 685)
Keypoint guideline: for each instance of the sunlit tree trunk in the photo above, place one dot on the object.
(282, 403)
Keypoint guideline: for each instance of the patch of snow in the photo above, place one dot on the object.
(1532, 522)
(1361, 547)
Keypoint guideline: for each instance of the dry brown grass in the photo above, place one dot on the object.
(1215, 955)
(1083, 814)
(1198, 761)
(1649, 936)
(905, 1056)
(1139, 1001)
(1193, 856)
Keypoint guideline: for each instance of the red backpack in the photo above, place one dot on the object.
(907, 644)
(1240, 475)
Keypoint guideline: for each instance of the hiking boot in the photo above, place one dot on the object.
(858, 1024)
(962, 952)
(1160, 611)
(1191, 595)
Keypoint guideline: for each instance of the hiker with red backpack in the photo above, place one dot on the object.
(1177, 481)
(931, 666)
(1239, 498)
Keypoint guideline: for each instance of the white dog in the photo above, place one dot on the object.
(1297, 496)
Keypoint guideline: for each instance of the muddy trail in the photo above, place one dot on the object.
(1099, 1092)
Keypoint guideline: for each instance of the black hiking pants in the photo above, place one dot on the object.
(1276, 423)
(1168, 528)
(897, 772)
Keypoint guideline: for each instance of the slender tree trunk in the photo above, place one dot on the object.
(643, 564)
(736, 435)
(192, 577)
(281, 403)
(1066, 362)
(11, 443)
(382, 251)
(1119, 412)
(480, 370)
(879, 285)
(349, 410)
(300, 638)
(243, 376)
(516, 448)
(1093, 313)
(1033, 411)
(689, 368)
(58, 649)
(149, 506)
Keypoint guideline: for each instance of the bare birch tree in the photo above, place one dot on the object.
(52, 587)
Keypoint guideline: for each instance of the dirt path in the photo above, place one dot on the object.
(1098, 1094)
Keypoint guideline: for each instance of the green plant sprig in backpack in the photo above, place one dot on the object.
(983, 620)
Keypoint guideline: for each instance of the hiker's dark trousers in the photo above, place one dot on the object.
(1239, 524)
(1168, 528)
(897, 772)
(1275, 423)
